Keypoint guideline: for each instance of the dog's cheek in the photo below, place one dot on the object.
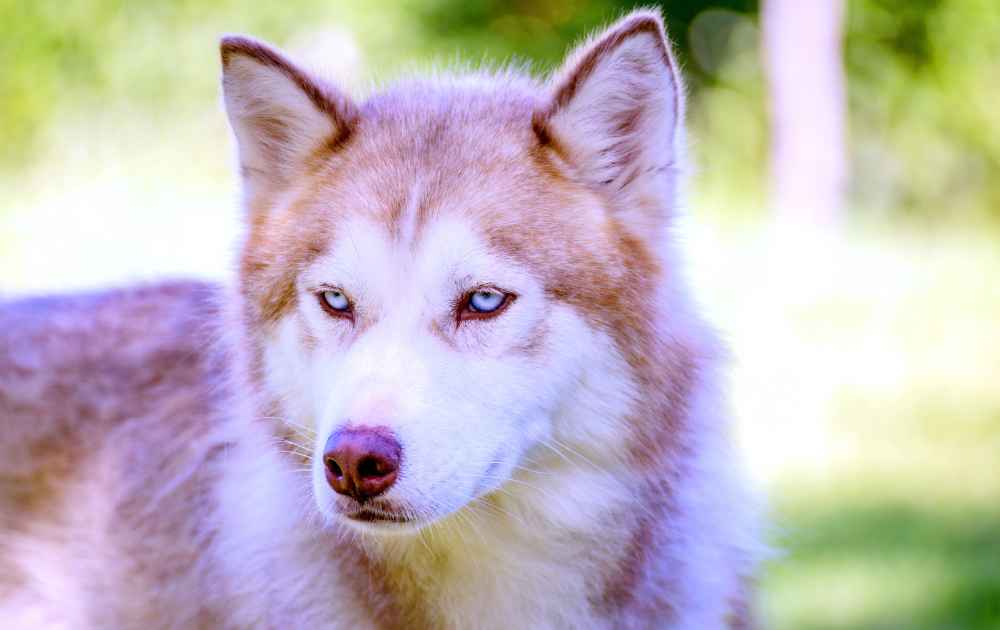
(592, 383)
(287, 359)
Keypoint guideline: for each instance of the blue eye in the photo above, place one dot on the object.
(486, 301)
(335, 300)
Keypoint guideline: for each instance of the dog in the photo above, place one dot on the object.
(459, 380)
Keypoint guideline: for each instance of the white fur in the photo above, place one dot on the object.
(399, 376)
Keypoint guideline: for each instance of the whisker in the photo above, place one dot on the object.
(572, 451)
(310, 431)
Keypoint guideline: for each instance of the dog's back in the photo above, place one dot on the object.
(107, 412)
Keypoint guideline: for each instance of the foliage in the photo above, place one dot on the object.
(924, 80)
(865, 386)
(924, 76)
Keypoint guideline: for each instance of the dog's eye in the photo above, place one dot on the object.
(335, 302)
(486, 300)
(484, 303)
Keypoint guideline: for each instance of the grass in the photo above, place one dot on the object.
(868, 403)
(875, 562)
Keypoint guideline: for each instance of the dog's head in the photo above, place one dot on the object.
(453, 275)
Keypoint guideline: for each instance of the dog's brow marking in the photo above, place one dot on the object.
(408, 217)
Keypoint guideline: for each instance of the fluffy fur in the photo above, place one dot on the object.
(566, 462)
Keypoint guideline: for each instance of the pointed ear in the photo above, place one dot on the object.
(281, 116)
(614, 111)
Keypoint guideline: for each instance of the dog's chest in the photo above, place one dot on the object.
(489, 584)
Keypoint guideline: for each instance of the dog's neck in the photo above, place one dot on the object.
(547, 550)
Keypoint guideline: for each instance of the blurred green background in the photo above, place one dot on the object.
(867, 350)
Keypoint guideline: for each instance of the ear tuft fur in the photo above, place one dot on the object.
(280, 115)
(615, 109)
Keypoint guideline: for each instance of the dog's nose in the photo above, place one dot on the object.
(362, 462)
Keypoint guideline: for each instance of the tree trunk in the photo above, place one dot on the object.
(802, 42)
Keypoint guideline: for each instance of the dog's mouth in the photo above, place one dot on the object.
(377, 516)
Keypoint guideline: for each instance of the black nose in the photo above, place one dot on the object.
(362, 462)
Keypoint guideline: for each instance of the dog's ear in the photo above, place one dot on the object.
(281, 116)
(614, 112)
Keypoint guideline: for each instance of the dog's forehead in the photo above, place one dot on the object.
(421, 155)
(445, 138)
(449, 245)
(429, 116)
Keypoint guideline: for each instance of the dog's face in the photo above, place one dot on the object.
(444, 280)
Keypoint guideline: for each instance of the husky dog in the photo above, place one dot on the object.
(457, 383)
